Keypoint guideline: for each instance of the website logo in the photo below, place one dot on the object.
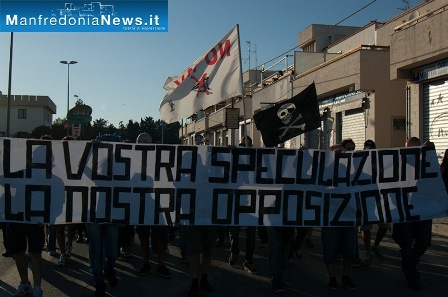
(83, 16)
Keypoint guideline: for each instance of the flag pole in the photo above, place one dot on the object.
(242, 89)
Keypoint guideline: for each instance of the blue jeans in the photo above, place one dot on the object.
(279, 242)
(234, 236)
(102, 238)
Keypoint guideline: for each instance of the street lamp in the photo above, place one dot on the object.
(68, 63)
(8, 110)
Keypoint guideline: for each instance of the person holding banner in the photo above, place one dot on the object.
(159, 237)
(414, 238)
(234, 235)
(365, 229)
(279, 239)
(200, 243)
(103, 240)
(65, 247)
(336, 240)
(50, 230)
(18, 237)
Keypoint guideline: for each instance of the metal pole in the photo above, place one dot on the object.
(248, 42)
(68, 95)
(182, 127)
(162, 131)
(8, 110)
(243, 90)
(68, 87)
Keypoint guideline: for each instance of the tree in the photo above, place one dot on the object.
(58, 129)
(110, 129)
(132, 131)
(129, 131)
(89, 132)
(149, 126)
(169, 133)
(100, 126)
(60, 121)
(41, 130)
(100, 123)
(121, 129)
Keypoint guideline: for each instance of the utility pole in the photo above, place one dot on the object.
(248, 50)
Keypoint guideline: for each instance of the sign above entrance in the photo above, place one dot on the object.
(430, 71)
(232, 118)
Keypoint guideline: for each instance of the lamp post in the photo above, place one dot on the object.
(68, 63)
(8, 110)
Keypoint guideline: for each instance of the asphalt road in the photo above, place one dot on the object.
(306, 277)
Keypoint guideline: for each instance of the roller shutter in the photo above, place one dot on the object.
(435, 115)
(312, 139)
(353, 126)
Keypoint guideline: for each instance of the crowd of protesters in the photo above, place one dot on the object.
(25, 243)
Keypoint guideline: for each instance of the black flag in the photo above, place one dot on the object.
(289, 118)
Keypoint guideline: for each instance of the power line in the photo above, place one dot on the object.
(314, 37)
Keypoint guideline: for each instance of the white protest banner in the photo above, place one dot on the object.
(146, 184)
(214, 77)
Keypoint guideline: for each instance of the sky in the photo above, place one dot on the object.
(121, 75)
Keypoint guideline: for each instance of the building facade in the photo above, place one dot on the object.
(419, 55)
(384, 81)
(26, 112)
(216, 125)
